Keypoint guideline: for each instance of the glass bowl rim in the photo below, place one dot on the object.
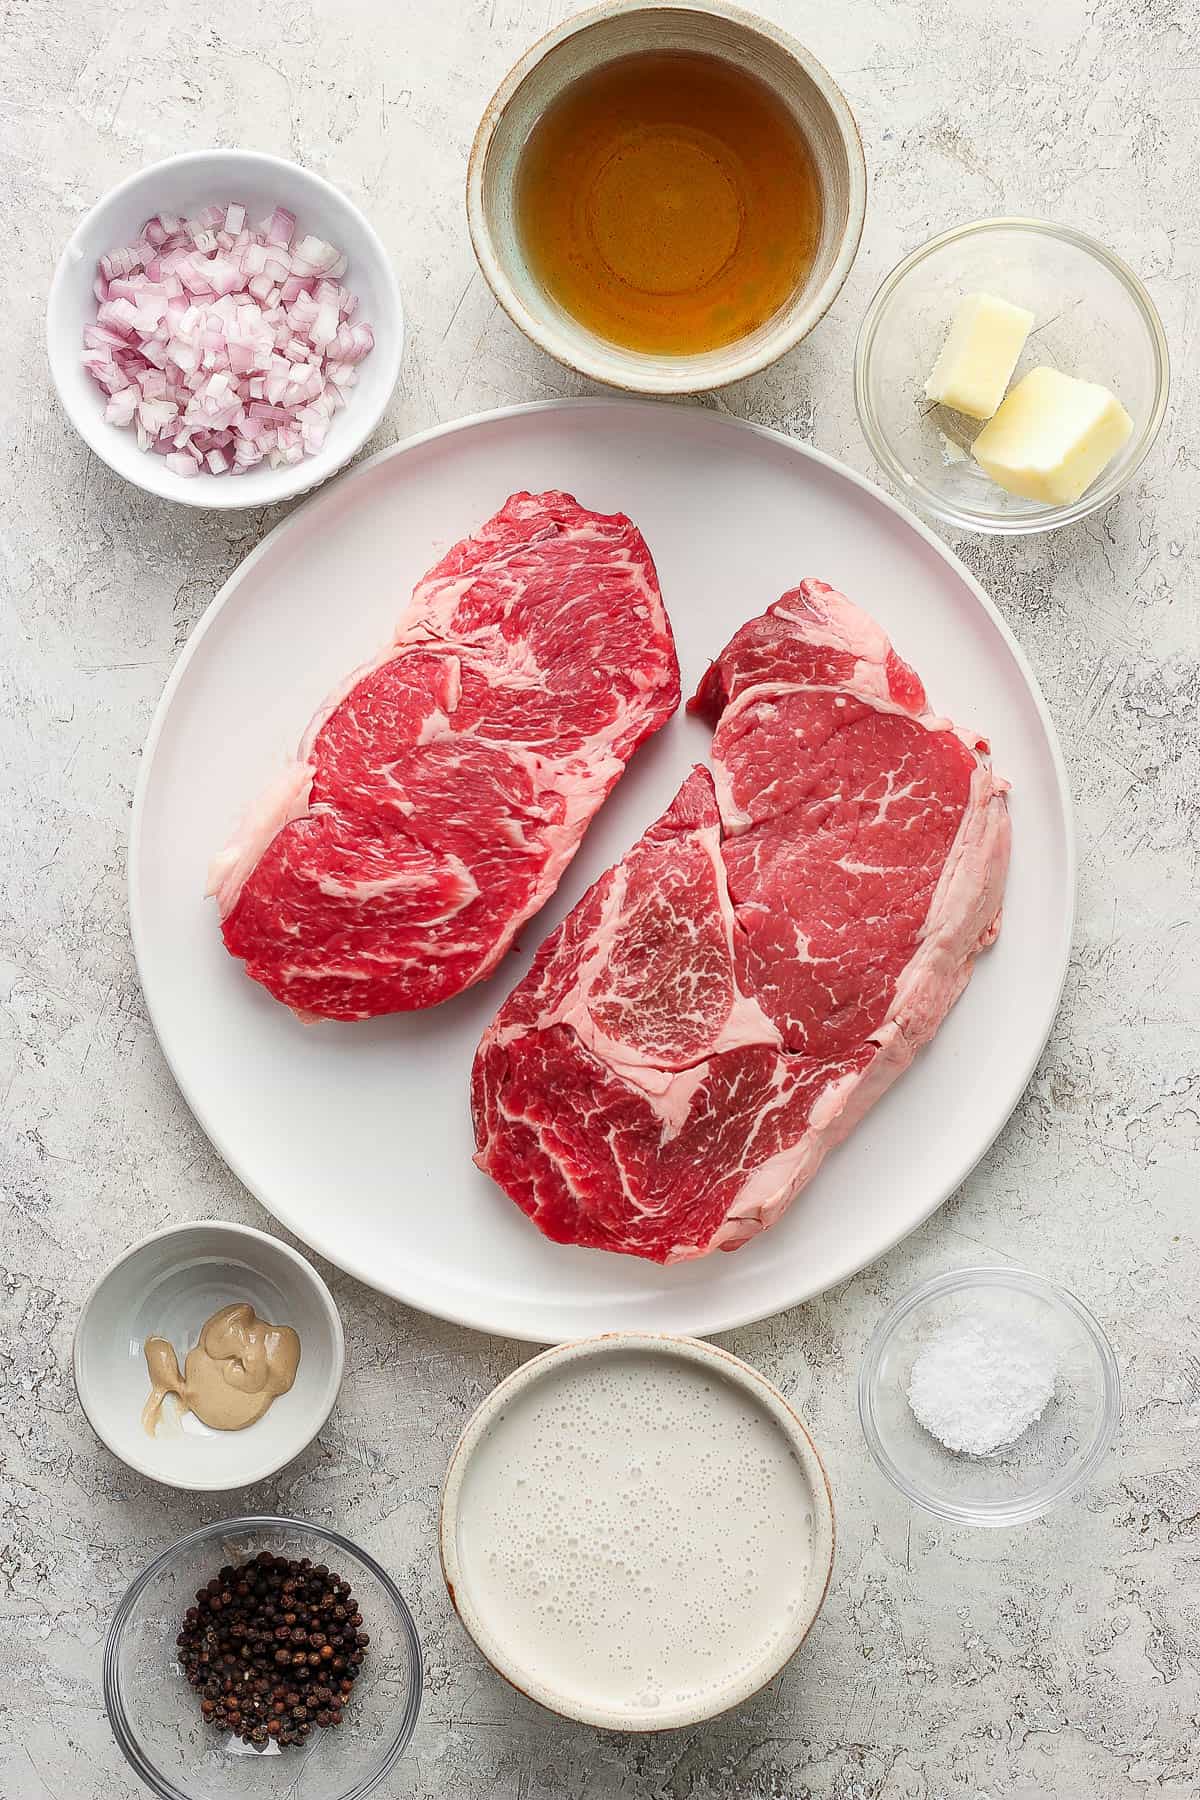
(1051, 518)
(1030, 1506)
(114, 1705)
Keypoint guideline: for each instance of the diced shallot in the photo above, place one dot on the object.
(121, 407)
(223, 345)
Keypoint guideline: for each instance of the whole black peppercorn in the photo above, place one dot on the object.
(269, 1622)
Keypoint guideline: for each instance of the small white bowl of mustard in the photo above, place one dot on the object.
(208, 1356)
(666, 198)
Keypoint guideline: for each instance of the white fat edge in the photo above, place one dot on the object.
(282, 800)
(285, 798)
(963, 914)
(844, 625)
(342, 691)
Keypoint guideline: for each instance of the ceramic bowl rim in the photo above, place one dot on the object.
(336, 1336)
(612, 365)
(207, 491)
(249, 1523)
(1051, 518)
(669, 1344)
(1058, 1488)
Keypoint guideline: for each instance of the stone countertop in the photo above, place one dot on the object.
(1059, 1659)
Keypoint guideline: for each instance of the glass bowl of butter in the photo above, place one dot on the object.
(1011, 376)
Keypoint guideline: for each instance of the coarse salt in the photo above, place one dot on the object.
(976, 1386)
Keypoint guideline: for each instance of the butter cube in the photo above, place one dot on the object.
(1052, 436)
(979, 356)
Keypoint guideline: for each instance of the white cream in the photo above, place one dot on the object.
(637, 1534)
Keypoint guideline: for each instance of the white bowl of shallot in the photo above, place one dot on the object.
(225, 329)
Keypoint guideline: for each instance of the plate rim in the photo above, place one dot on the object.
(736, 1316)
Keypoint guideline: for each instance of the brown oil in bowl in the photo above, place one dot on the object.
(669, 202)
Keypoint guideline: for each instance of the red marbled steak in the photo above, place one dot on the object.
(439, 795)
(725, 1004)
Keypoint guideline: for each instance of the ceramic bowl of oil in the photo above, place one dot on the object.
(666, 199)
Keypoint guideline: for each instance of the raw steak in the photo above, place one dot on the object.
(723, 1007)
(439, 795)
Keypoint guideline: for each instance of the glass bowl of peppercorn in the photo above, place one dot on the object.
(262, 1657)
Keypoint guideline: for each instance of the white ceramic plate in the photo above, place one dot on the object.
(358, 1137)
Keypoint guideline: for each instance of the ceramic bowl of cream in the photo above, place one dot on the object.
(167, 1287)
(577, 49)
(637, 1531)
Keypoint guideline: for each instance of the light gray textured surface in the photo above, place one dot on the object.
(1060, 1659)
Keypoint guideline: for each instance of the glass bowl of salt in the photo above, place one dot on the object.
(989, 1395)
